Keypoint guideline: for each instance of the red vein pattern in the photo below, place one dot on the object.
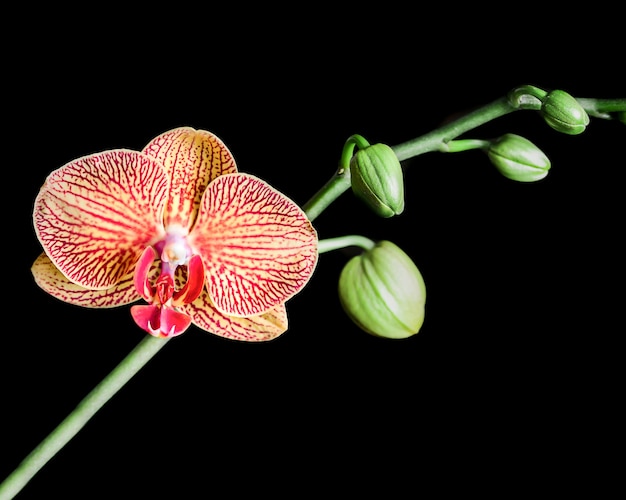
(258, 246)
(192, 159)
(252, 329)
(95, 215)
(50, 279)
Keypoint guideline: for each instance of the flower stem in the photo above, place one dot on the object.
(335, 187)
(348, 149)
(352, 240)
(77, 419)
(339, 183)
(602, 108)
(437, 140)
(460, 145)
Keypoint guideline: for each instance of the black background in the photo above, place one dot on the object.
(520, 350)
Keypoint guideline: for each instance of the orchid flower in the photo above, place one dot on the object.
(178, 226)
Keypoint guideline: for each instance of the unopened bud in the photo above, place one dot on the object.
(377, 179)
(383, 292)
(518, 159)
(564, 113)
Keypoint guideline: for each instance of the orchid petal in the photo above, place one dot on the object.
(147, 317)
(258, 247)
(173, 322)
(50, 279)
(192, 159)
(95, 215)
(259, 328)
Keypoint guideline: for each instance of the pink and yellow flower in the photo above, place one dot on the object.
(177, 225)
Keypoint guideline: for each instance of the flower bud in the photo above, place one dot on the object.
(383, 292)
(518, 159)
(378, 180)
(563, 113)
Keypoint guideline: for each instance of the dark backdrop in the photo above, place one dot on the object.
(523, 315)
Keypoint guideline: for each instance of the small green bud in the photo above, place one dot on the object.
(383, 292)
(377, 179)
(563, 113)
(518, 159)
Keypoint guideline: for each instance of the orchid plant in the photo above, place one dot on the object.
(178, 232)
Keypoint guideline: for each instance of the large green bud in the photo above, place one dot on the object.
(518, 159)
(383, 292)
(563, 113)
(377, 179)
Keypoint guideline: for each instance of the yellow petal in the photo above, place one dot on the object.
(191, 158)
(50, 279)
(260, 328)
(95, 215)
(258, 247)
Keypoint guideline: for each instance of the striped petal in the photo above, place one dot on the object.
(95, 215)
(192, 159)
(50, 279)
(258, 247)
(260, 328)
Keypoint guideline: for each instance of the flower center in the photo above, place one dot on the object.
(175, 251)
(166, 294)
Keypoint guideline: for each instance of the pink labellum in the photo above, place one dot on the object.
(173, 321)
(191, 159)
(148, 318)
(95, 215)
(50, 279)
(258, 247)
(160, 321)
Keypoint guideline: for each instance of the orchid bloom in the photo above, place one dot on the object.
(178, 226)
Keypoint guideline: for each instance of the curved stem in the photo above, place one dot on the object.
(351, 240)
(348, 149)
(339, 183)
(526, 95)
(335, 187)
(438, 139)
(77, 419)
(460, 145)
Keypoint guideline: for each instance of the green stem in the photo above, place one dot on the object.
(602, 108)
(438, 139)
(460, 145)
(339, 183)
(335, 187)
(77, 419)
(526, 95)
(348, 149)
(351, 240)
(520, 98)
